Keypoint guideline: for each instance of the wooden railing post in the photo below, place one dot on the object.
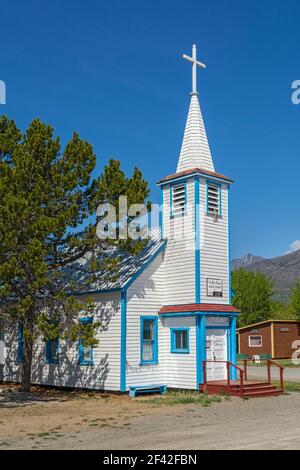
(269, 371)
(228, 373)
(281, 369)
(204, 376)
(281, 378)
(242, 383)
(245, 368)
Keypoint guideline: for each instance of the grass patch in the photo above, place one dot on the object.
(183, 398)
(43, 434)
(289, 386)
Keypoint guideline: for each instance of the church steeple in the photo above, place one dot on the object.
(195, 151)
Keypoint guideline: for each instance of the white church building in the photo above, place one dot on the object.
(170, 309)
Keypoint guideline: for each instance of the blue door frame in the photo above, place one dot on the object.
(201, 329)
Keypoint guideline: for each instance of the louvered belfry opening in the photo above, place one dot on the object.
(213, 199)
(178, 199)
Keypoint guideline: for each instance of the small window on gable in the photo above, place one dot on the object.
(213, 199)
(255, 341)
(178, 199)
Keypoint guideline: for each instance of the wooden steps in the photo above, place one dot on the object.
(251, 389)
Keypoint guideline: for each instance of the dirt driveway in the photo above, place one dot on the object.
(57, 420)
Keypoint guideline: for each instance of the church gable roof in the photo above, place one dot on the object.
(129, 267)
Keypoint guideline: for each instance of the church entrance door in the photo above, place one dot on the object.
(216, 350)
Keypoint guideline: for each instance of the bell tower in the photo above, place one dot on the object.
(195, 217)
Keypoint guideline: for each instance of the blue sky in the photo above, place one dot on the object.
(112, 71)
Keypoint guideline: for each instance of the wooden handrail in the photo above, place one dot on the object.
(281, 369)
(228, 365)
(269, 363)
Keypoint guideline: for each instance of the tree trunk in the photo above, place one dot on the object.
(27, 361)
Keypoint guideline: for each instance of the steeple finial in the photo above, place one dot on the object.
(195, 62)
(195, 151)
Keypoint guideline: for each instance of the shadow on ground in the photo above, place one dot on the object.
(11, 396)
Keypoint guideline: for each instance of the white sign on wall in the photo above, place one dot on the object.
(214, 287)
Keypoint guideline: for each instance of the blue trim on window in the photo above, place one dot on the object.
(81, 360)
(155, 340)
(215, 183)
(86, 320)
(123, 341)
(49, 358)
(20, 343)
(174, 350)
(197, 241)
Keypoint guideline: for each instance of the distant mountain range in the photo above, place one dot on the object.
(283, 270)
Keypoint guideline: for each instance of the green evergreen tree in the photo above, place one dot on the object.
(47, 202)
(252, 296)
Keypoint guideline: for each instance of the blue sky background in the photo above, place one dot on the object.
(112, 71)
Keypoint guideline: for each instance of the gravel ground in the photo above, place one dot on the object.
(263, 423)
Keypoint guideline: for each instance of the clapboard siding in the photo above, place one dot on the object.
(144, 298)
(103, 375)
(214, 255)
(180, 369)
(179, 259)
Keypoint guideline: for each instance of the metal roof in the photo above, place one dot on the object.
(78, 278)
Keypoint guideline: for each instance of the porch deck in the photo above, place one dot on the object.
(251, 389)
(242, 387)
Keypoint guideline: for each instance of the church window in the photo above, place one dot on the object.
(149, 340)
(52, 351)
(52, 348)
(85, 351)
(180, 340)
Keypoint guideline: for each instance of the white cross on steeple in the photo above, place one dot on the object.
(194, 61)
